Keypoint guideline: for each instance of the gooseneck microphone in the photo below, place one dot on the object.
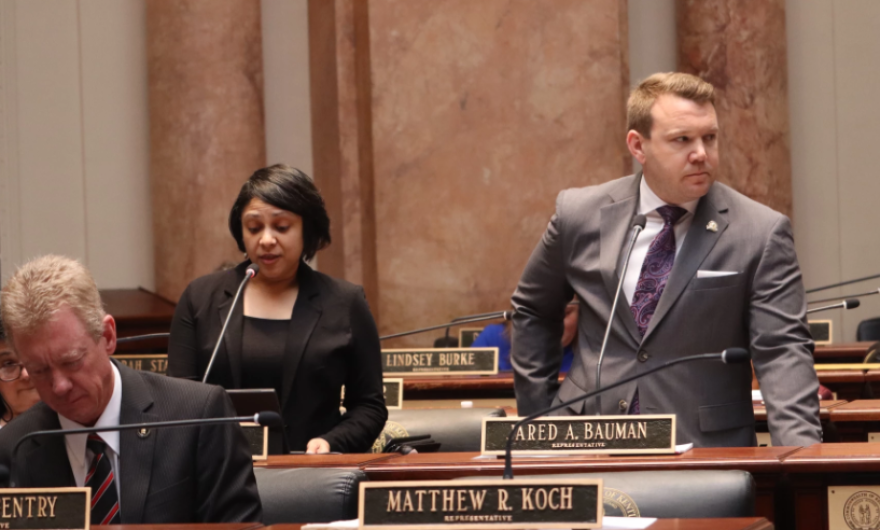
(505, 315)
(264, 419)
(637, 227)
(841, 284)
(728, 356)
(251, 271)
(869, 293)
(849, 303)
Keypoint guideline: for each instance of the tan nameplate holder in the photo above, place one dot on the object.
(257, 438)
(45, 508)
(148, 362)
(521, 503)
(615, 435)
(440, 361)
(853, 507)
(392, 388)
(821, 331)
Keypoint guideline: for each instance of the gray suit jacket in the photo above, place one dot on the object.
(761, 308)
(174, 475)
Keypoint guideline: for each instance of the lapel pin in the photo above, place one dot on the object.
(712, 226)
(143, 433)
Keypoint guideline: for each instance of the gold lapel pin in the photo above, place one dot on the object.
(143, 433)
(712, 226)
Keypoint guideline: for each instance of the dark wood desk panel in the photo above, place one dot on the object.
(186, 526)
(139, 312)
(732, 523)
(825, 408)
(849, 385)
(844, 352)
(352, 460)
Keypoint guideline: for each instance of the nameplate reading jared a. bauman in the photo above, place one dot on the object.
(521, 503)
(440, 361)
(45, 508)
(618, 435)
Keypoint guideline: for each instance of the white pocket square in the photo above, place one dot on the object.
(715, 274)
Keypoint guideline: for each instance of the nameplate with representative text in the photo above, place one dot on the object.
(156, 363)
(45, 508)
(440, 361)
(392, 388)
(522, 503)
(258, 439)
(618, 435)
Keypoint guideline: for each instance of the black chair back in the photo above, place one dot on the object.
(868, 329)
(456, 429)
(308, 495)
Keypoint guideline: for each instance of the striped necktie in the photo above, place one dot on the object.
(105, 499)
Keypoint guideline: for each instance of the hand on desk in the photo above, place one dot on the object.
(317, 446)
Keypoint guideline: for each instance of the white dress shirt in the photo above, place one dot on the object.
(78, 454)
(648, 204)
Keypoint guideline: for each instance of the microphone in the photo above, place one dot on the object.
(849, 303)
(263, 419)
(138, 338)
(728, 356)
(841, 284)
(637, 227)
(506, 315)
(251, 271)
(869, 293)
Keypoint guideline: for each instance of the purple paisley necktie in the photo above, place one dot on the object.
(655, 273)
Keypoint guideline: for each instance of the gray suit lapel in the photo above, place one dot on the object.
(306, 312)
(136, 452)
(614, 228)
(697, 245)
(46, 460)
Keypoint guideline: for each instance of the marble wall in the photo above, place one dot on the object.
(740, 47)
(481, 113)
(206, 129)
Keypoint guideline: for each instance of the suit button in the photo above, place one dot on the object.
(644, 356)
(623, 405)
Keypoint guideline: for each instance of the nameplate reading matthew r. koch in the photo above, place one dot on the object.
(440, 361)
(521, 503)
(641, 434)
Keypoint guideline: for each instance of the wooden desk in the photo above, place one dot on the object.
(844, 352)
(732, 523)
(139, 312)
(184, 526)
(825, 408)
(349, 461)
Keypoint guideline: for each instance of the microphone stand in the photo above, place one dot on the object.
(506, 315)
(869, 293)
(841, 284)
(850, 303)
(251, 271)
(737, 355)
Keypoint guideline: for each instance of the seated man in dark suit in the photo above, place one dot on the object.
(56, 324)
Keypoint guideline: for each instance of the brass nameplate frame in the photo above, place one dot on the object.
(257, 438)
(853, 507)
(439, 361)
(520, 503)
(392, 388)
(148, 362)
(856, 367)
(45, 508)
(467, 336)
(581, 435)
(821, 331)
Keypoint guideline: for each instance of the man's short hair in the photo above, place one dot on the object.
(642, 98)
(43, 286)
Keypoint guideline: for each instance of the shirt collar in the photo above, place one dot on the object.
(649, 201)
(109, 418)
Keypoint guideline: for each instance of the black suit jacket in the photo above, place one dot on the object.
(332, 341)
(173, 475)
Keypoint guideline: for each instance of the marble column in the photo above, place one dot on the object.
(481, 113)
(206, 129)
(739, 46)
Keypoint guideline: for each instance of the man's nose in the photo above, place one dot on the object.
(699, 152)
(61, 385)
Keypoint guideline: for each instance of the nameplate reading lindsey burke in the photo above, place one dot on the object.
(156, 363)
(45, 508)
(440, 361)
(521, 503)
(619, 435)
(258, 439)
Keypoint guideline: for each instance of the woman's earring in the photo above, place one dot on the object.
(245, 255)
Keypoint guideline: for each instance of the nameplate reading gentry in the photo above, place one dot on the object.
(156, 363)
(257, 438)
(521, 503)
(45, 508)
(618, 435)
(854, 507)
(467, 336)
(440, 361)
(392, 388)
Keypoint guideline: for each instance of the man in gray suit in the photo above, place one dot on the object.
(55, 322)
(712, 270)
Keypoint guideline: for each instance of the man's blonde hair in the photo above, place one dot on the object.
(687, 86)
(43, 286)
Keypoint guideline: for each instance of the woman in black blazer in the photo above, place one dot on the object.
(298, 331)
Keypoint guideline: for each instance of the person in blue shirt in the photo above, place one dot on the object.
(499, 335)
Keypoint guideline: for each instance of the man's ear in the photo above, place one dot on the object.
(635, 142)
(109, 334)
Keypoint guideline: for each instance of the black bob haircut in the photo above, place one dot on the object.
(289, 189)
